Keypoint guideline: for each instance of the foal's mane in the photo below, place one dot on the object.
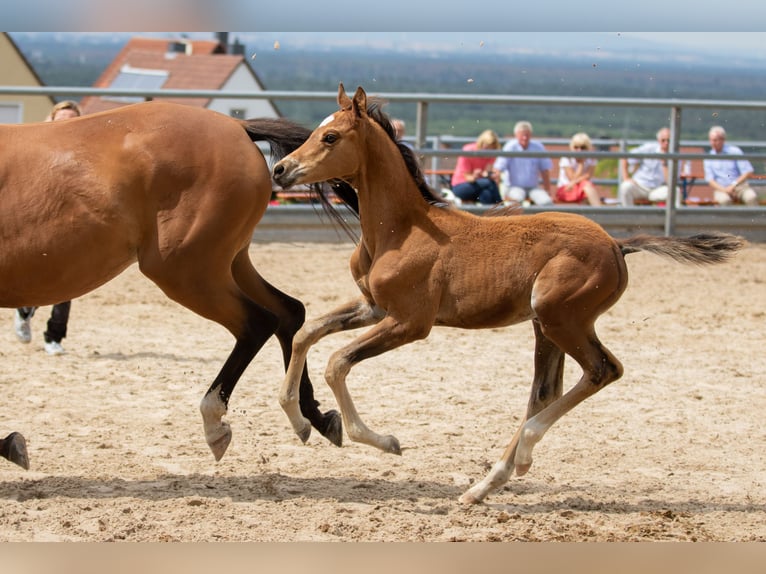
(375, 111)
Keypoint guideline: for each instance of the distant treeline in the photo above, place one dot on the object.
(80, 65)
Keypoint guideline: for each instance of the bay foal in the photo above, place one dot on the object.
(420, 264)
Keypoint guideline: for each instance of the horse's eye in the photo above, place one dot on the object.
(330, 138)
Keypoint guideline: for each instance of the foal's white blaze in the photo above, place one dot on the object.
(327, 120)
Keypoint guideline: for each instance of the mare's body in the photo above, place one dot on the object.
(420, 264)
(175, 188)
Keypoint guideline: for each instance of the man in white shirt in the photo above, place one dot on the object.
(645, 177)
(728, 177)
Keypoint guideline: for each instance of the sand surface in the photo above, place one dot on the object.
(675, 450)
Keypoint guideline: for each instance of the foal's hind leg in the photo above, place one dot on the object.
(547, 386)
(599, 367)
(352, 315)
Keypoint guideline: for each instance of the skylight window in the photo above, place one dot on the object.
(131, 78)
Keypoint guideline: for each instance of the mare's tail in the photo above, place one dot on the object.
(713, 247)
(284, 137)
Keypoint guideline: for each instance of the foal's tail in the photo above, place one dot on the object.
(701, 249)
(284, 137)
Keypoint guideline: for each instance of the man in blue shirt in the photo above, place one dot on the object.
(728, 177)
(521, 175)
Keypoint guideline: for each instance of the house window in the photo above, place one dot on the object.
(10, 113)
(131, 78)
(238, 113)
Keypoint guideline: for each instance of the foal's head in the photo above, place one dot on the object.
(344, 142)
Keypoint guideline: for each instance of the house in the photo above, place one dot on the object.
(183, 64)
(16, 71)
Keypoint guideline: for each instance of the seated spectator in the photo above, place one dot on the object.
(645, 177)
(728, 177)
(574, 184)
(521, 175)
(473, 178)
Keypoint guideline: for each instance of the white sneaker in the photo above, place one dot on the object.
(22, 327)
(54, 348)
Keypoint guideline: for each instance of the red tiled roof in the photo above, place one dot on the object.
(203, 67)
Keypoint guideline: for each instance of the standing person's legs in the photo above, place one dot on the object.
(57, 326)
(21, 323)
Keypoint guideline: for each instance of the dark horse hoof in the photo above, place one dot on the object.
(333, 427)
(14, 448)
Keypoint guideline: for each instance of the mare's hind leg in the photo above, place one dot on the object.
(547, 386)
(14, 448)
(352, 315)
(207, 287)
(291, 314)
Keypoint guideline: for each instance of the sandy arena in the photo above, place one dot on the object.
(674, 451)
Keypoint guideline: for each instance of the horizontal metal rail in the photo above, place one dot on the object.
(423, 100)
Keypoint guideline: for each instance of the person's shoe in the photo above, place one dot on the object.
(54, 348)
(22, 327)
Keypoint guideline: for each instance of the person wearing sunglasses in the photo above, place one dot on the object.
(574, 183)
(644, 177)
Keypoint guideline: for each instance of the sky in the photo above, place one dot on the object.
(401, 15)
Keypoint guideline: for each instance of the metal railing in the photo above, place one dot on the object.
(674, 106)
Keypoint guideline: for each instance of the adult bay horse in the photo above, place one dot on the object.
(175, 188)
(420, 263)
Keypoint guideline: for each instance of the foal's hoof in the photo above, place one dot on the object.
(304, 433)
(15, 450)
(333, 428)
(219, 444)
(468, 498)
(522, 469)
(392, 445)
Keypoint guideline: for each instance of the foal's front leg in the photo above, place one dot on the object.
(386, 335)
(351, 315)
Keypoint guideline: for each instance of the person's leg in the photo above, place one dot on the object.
(629, 191)
(746, 194)
(466, 191)
(516, 194)
(722, 198)
(21, 323)
(658, 194)
(488, 192)
(591, 193)
(58, 322)
(540, 197)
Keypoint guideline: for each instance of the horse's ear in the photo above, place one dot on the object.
(360, 101)
(344, 102)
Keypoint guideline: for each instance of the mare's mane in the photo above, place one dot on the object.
(375, 111)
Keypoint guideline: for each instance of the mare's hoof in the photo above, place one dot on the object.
(219, 445)
(333, 430)
(392, 445)
(15, 450)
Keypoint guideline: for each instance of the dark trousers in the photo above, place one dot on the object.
(483, 190)
(56, 330)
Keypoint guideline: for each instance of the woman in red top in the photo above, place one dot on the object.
(473, 178)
